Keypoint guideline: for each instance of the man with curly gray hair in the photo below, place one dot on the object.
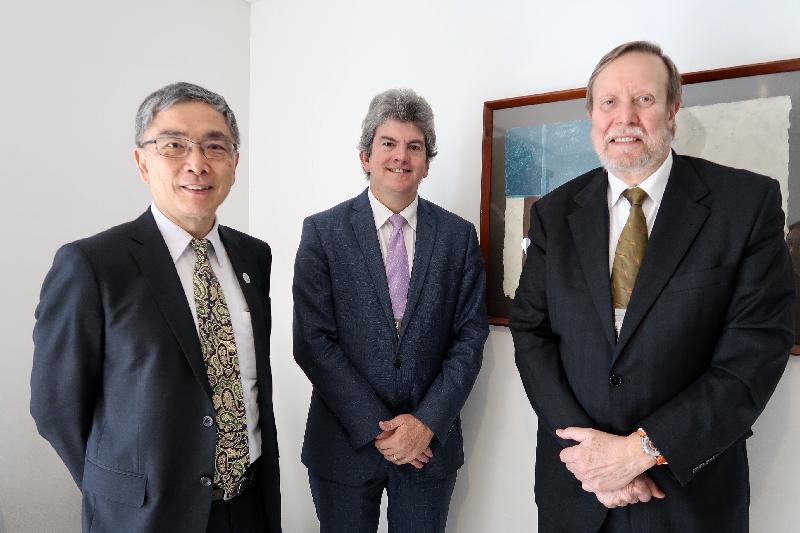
(389, 327)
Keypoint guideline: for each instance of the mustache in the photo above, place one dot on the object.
(629, 131)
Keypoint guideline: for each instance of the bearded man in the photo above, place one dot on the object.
(652, 321)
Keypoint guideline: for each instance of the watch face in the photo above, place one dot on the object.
(647, 446)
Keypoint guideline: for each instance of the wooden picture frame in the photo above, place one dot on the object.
(512, 125)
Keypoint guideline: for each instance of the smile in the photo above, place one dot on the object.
(623, 139)
(197, 187)
(397, 170)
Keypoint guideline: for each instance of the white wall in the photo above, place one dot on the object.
(315, 66)
(73, 75)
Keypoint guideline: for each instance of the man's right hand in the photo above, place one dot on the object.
(417, 462)
(641, 489)
(405, 440)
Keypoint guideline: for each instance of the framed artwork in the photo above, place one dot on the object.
(745, 117)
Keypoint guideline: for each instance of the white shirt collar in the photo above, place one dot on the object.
(383, 213)
(178, 239)
(654, 185)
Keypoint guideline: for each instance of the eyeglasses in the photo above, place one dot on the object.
(178, 147)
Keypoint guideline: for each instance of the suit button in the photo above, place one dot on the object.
(205, 481)
(615, 380)
(208, 421)
(398, 363)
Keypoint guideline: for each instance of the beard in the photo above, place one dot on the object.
(644, 162)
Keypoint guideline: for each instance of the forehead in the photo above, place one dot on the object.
(632, 71)
(406, 131)
(191, 118)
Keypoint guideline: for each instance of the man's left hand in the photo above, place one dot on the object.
(405, 439)
(602, 461)
(641, 489)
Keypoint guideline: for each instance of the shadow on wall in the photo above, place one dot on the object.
(473, 417)
(764, 464)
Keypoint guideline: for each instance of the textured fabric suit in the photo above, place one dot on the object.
(119, 386)
(346, 343)
(704, 342)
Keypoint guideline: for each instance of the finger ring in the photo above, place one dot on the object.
(394, 457)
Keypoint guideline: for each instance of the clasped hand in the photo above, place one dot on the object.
(610, 466)
(405, 440)
(641, 489)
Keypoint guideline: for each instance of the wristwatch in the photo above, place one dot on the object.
(648, 447)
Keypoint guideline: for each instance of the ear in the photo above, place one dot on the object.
(140, 157)
(235, 166)
(672, 111)
(589, 113)
(364, 162)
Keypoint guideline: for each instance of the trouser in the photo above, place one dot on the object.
(418, 507)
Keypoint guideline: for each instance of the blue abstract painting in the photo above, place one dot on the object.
(540, 158)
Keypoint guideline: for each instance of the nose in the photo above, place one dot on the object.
(195, 161)
(626, 113)
(401, 153)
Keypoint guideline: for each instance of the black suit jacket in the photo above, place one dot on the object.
(345, 339)
(119, 385)
(704, 342)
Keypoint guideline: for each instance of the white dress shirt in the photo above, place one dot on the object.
(384, 227)
(183, 255)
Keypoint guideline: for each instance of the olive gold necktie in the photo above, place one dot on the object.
(630, 250)
(222, 367)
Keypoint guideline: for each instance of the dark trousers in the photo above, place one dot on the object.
(418, 507)
(617, 521)
(242, 514)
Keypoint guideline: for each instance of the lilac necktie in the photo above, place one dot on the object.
(397, 268)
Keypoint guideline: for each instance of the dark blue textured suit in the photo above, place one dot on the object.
(704, 342)
(346, 343)
(119, 385)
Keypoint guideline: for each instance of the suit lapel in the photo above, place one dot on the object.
(423, 250)
(244, 263)
(679, 219)
(152, 255)
(591, 242)
(363, 223)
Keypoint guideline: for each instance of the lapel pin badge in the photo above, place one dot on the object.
(245, 277)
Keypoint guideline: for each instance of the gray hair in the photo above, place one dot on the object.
(176, 93)
(403, 105)
(646, 47)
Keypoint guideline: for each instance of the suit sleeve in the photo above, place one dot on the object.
(68, 357)
(536, 346)
(447, 393)
(345, 391)
(720, 407)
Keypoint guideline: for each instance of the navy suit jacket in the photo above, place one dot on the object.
(119, 385)
(705, 340)
(346, 343)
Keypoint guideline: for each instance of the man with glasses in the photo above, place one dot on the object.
(151, 374)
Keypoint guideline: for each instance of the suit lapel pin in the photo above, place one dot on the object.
(245, 277)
